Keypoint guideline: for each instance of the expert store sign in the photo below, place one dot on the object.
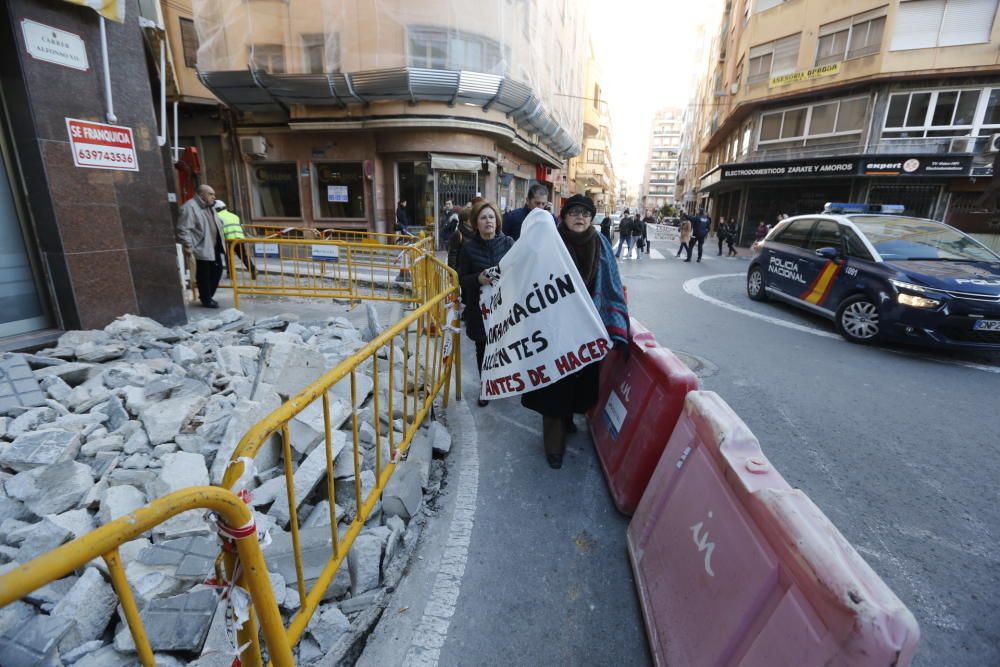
(101, 146)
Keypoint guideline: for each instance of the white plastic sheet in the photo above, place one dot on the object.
(541, 323)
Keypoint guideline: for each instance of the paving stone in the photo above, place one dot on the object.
(35, 642)
(265, 493)
(4, 423)
(364, 562)
(106, 656)
(51, 489)
(12, 509)
(181, 470)
(29, 420)
(308, 651)
(194, 444)
(181, 622)
(83, 650)
(90, 603)
(327, 625)
(95, 353)
(117, 501)
(403, 493)
(49, 594)
(440, 438)
(44, 536)
(14, 614)
(291, 367)
(55, 387)
(183, 354)
(138, 461)
(320, 515)
(130, 325)
(308, 427)
(117, 415)
(141, 479)
(110, 443)
(18, 385)
(151, 582)
(163, 420)
(77, 522)
(317, 549)
(190, 557)
(40, 448)
(363, 385)
(306, 477)
(245, 415)
(238, 360)
(73, 374)
(358, 603)
(345, 494)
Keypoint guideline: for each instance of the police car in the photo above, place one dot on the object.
(880, 275)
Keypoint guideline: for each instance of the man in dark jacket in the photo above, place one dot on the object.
(700, 224)
(624, 235)
(606, 227)
(538, 197)
(402, 219)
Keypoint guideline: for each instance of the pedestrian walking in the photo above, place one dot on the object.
(481, 251)
(606, 227)
(624, 235)
(646, 241)
(200, 233)
(232, 230)
(458, 237)
(732, 233)
(685, 238)
(721, 232)
(402, 219)
(639, 230)
(577, 393)
(447, 225)
(700, 224)
(538, 197)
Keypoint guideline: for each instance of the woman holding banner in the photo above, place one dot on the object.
(576, 393)
(480, 252)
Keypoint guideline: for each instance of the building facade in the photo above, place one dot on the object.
(417, 101)
(592, 171)
(859, 100)
(659, 182)
(86, 228)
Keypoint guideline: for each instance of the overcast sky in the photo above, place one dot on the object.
(646, 50)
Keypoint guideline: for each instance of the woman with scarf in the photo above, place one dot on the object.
(480, 251)
(576, 393)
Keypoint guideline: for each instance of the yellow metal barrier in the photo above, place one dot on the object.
(418, 354)
(106, 540)
(261, 230)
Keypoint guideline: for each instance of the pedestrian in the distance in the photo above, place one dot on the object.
(480, 252)
(624, 235)
(459, 236)
(761, 231)
(639, 232)
(402, 219)
(647, 221)
(448, 224)
(576, 393)
(685, 231)
(732, 232)
(232, 230)
(606, 227)
(200, 233)
(538, 197)
(700, 224)
(721, 232)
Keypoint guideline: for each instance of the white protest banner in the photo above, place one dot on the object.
(541, 323)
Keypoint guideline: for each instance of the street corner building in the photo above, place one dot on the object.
(804, 102)
(86, 232)
(343, 109)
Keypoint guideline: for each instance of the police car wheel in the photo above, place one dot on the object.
(858, 319)
(755, 284)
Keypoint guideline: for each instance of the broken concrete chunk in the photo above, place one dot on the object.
(163, 420)
(77, 522)
(15, 614)
(306, 477)
(43, 536)
(245, 415)
(181, 470)
(345, 491)
(191, 558)
(238, 360)
(117, 501)
(18, 385)
(364, 562)
(30, 420)
(35, 642)
(291, 367)
(51, 489)
(91, 604)
(72, 374)
(180, 623)
(440, 438)
(40, 448)
(308, 427)
(327, 625)
(403, 493)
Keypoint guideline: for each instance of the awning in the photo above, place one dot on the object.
(109, 9)
(456, 163)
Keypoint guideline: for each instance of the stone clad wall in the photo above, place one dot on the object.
(105, 238)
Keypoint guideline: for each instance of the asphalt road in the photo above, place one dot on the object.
(897, 446)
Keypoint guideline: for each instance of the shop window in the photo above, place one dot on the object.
(340, 189)
(440, 48)
(275, 190)
(268, 57)
(927, 24)
(189, 42)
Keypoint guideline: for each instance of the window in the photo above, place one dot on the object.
(340, 189)
(189, 42)
(320, 53)
(595, 156)
(440, 48)
(795, 234)
(268, 57)
(597, 96)
(866, 35)
(853, 37)
(925, 24)
(813, 124)
(763, 5)
(826, 234)
(855, 247)
(275, 190)
(774, 58)
(937, 113)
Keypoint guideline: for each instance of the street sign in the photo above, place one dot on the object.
(43, 42)
(325, 253)
(265, 250)
(101, 146)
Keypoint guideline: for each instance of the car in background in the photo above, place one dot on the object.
(881, 275)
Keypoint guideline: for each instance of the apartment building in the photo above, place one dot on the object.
(343, 109)
(659, 180)
(592, 171)
(860, 100)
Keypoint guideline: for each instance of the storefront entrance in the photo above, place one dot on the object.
(767, 203)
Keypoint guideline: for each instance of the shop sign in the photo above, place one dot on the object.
(51, 45)
(804, 75)
(325, 253)
(982, 171)
(904, 165)
(101, 146)
(336, 193)
(265, 250)
(803, 168)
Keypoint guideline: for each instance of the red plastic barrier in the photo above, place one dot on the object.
(639, 401)
(735, 567)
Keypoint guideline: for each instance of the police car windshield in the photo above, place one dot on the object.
(898, 238)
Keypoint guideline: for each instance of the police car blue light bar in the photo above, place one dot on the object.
(839, 207)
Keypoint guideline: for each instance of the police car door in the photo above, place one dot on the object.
(787, 268)
(823, 273)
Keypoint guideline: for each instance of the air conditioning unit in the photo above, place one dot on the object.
(254, 146)
(994, 145)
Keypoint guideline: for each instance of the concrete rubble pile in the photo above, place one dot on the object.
(108, 421)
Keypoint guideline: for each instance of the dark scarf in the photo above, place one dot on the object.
(584, 247)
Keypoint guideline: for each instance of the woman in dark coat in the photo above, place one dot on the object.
(479, 252)
(576, 393)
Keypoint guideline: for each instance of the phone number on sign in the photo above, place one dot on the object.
(92, 155)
